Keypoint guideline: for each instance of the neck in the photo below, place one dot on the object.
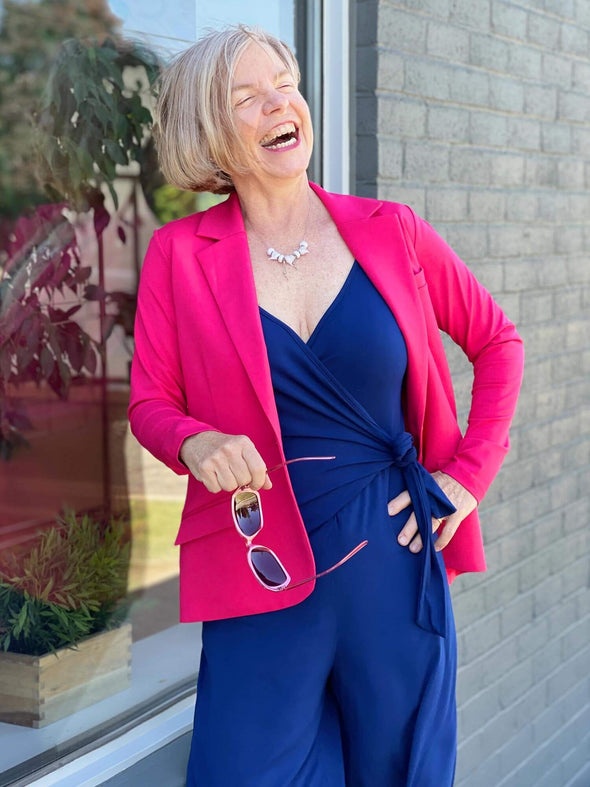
(273, 210)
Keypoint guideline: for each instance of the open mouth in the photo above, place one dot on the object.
(284, 136)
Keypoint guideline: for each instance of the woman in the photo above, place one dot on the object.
(289, 323)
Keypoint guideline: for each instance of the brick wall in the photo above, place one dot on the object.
(477, 114)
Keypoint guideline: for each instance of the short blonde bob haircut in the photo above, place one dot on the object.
(195, 135)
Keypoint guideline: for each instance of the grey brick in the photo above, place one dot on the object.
(570, 174)
(506, 93)
(426, 162)
(481, 709)
(400, 29)
(470, 166)
(524, 134)
(531, 638)
(581, 77)
(509, 20)
(447, 42)
(567, 674)
(579, 207)
(556, 138)
(582, 12)
(548, 593)
(414, 196)
(469, 87)
(517, 681)
(488, 205)
(577, 576)
(562, 616)
(543, 30)
(574, 40)
(557, 70)
(437, 8)
(446, 204)
(390, 71)
(469, 241)
(471, 13)
(389, 159)
(574, 107)
(563, 8)
(521, 206)
(448, 123)
(489, 129)
(427, 79)
(540, 171)
(568, 240)
(482, 636)
(524, 62)
(489, 52)
(517, 749)
(581, 141)
(541, 100)
(402, 118)
(507, 170)
(516, 614)
(575, 639)
(546, 661)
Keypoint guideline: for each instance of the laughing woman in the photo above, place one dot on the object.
(287, 324)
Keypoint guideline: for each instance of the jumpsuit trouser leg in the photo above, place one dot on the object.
(341, 690)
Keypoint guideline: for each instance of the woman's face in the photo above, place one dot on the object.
(271, 116)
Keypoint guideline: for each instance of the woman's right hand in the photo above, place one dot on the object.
(224, 461)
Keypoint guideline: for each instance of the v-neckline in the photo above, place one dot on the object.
(322, 319)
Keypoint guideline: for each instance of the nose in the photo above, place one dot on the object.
(275, 100)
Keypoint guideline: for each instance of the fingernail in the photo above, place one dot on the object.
(414, 547)
(403, 540)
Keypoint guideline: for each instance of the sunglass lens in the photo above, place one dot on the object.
(267, 567)
(247, 510)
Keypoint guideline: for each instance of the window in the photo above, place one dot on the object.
(69, 266)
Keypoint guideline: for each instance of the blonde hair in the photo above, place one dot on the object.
(194, 131)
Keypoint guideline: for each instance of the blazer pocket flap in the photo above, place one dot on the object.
(199, 523)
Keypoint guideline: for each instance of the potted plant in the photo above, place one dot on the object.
(64, 642)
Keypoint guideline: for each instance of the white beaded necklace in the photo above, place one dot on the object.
(288, 259)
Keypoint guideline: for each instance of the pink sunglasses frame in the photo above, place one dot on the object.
(286, 585)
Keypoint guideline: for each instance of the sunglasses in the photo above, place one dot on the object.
(246, 507)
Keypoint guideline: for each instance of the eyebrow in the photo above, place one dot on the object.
(250, 85)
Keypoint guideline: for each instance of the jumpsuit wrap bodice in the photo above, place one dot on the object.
(340, 394)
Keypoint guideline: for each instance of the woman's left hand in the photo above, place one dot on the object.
(463, 501)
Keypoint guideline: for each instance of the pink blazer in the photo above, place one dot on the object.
(200, 363)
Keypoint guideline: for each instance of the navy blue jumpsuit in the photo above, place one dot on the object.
(355, 685)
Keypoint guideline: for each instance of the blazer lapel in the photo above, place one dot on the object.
(376, 240)
(228, 270)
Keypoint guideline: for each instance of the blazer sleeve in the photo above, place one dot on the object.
(157, 406)
(466, 311)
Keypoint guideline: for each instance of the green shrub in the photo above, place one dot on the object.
(71, 584)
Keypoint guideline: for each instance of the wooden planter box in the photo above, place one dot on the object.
(38, 690)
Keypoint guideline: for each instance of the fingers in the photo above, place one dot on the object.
(410, 534)
(398, 503)
(224, 462)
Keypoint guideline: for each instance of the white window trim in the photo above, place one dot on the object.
(336, 137)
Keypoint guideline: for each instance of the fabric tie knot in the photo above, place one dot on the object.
(403, 450)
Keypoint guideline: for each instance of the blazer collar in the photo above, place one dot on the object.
(225, 219)
(377, 242)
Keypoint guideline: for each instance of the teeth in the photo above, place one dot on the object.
(286, 144)
(286, 128)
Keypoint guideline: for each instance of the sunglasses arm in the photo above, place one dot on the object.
(327, 571)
